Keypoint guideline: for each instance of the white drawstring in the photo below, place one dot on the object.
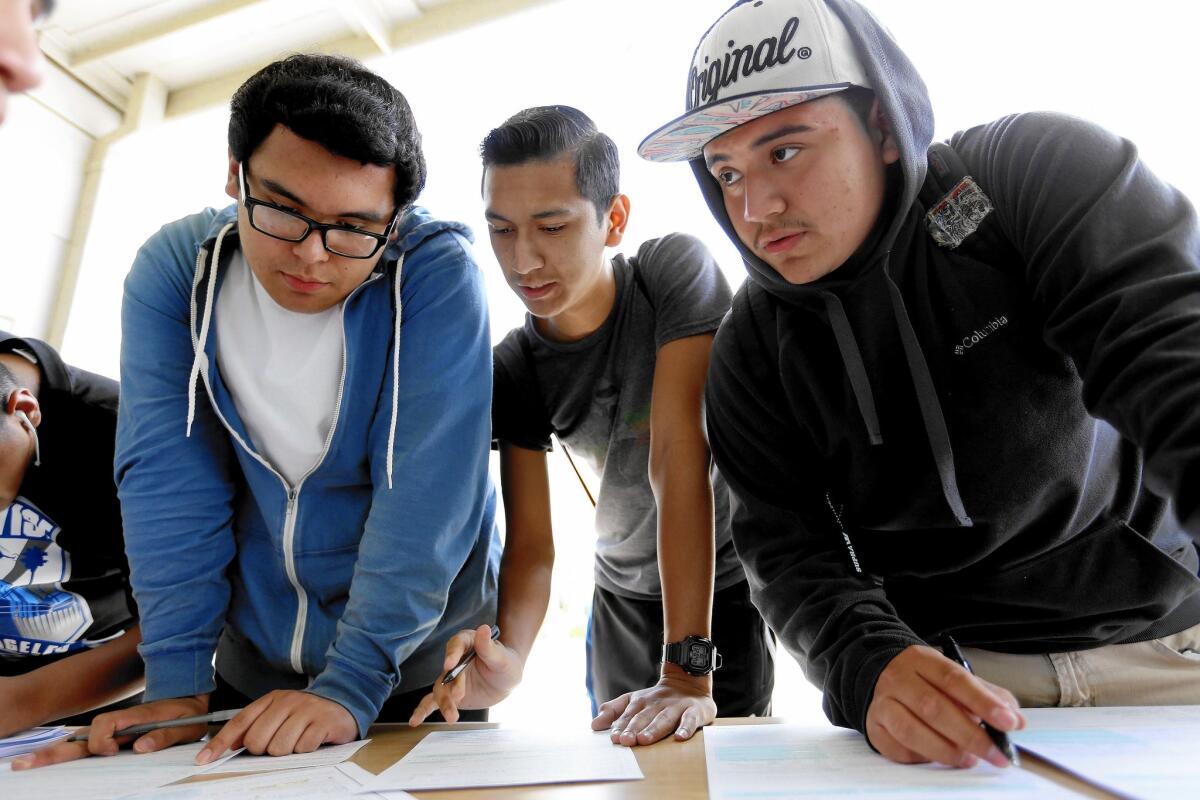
(395, 373)
(198, 343)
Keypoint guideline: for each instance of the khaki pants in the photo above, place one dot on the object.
(1157, 672)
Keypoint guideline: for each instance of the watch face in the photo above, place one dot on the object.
(697, 656)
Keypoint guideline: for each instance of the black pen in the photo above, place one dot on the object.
(181, 722)
(467, 659)
(999, 738)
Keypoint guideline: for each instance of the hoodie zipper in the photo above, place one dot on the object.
(289, 520)
(295, 651)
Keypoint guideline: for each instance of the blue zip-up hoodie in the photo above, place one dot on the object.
(349, 583)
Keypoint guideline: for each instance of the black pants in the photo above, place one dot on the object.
(625, 638)
(397, 708)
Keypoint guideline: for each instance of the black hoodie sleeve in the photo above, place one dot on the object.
(1112, 262)
(803, 576)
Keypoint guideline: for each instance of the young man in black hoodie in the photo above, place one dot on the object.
(946, 405)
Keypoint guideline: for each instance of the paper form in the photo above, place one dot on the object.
(103, 778)
(316, 783)
(30, 740)
(1146, 752)
(321, 757)
(501, 757)
(804, 761)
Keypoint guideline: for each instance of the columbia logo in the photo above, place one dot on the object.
(978, 335)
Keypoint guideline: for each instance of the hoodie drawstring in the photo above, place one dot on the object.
(855, 369)
(391, 445)
(199, 343)
(931, 408)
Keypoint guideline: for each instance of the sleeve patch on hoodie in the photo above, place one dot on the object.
(957, 215)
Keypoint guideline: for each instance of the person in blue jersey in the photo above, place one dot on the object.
(68, 623)
(303, 437)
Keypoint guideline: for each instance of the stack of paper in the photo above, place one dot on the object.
(30, 740)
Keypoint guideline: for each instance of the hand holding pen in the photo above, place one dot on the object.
(465, 661)
(181, 722)
(480, 671)
(999, 738)
(925, 706)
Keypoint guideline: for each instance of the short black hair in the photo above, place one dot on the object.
(337, 103)
(546, 132)
(8, 385)
(859, 99)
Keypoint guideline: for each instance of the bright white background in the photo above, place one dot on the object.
(1128, 66)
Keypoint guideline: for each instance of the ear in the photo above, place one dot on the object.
(617, 219)
(232, 187)
(881, 126)
(23, 400)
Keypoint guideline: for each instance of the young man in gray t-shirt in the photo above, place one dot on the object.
(612, 358)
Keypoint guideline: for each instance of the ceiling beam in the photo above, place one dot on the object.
(436, 21)
(147, 102)
(135, 37)
(365, 17)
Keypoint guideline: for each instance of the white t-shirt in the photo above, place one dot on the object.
(282, 369)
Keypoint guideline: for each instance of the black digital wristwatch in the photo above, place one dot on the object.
(695, 654)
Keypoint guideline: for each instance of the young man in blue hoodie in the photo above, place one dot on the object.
(304, 428)
(959, 395)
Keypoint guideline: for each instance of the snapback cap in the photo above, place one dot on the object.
(761, 56)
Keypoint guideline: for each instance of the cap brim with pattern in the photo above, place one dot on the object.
(684, 138)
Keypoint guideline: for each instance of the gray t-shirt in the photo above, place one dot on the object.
(595, 395)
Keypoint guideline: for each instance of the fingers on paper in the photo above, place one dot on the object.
(100, 733)
(942, 734)
(54, 754)
(232, 734)
(890, 747)
(281, 723)
(927, 708)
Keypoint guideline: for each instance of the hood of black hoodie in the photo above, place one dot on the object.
(905, 101)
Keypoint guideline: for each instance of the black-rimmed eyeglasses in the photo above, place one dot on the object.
(281, 223)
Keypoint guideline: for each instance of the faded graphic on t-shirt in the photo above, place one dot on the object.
(37, 616)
